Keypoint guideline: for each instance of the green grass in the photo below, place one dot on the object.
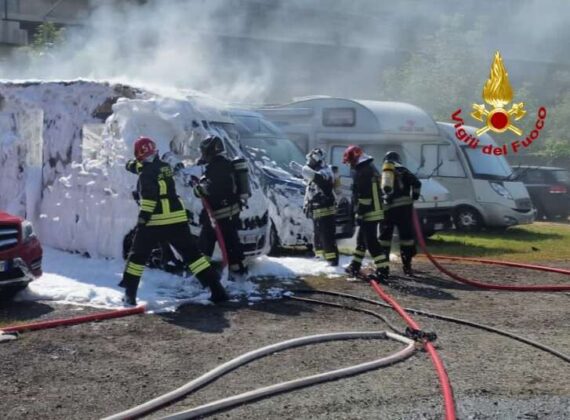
(532, 243)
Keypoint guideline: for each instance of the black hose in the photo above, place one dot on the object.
(460, 321)
(351, 308)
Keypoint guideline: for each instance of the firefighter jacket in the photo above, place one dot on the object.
(218, 186)
(399, 185)
(159, 203)
(366, 191)
(320, 200)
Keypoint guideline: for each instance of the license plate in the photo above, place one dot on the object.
(3, 266)
(438, 226)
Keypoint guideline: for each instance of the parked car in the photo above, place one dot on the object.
(20, 254)
(549, 189)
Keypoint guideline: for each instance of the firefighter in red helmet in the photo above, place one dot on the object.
(369, 213)
(162, 218)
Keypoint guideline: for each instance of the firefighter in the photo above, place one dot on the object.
(400, 189)
(219, 186)
(369, 212)
(162, 218)
(320, 205)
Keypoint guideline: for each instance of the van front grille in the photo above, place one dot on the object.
(8, 237)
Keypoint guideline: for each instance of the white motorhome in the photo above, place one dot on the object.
(378, 127)
(481, 185)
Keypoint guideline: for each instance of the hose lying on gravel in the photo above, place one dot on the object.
(99, 316)
(210, 376)
(443, 377)
(350, 308)
(459, 321)
(482, 285)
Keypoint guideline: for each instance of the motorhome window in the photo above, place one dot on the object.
(248, 125)
(229, 128)
(486, 166)
(449, 168)
(433, 155)
(273, 151)
(339, 117)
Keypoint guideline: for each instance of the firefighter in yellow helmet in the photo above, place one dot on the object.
(400, 188)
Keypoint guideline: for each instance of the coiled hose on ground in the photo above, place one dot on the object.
(216, 373)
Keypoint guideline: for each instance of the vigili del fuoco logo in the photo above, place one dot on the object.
(498, 93)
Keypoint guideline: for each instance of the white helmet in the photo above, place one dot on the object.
(316, 156)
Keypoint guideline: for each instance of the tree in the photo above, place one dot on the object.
(556, 134)
(47, 36)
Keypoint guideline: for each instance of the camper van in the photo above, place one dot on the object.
(378, 127)
(482, 186)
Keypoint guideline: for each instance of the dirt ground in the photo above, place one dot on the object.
(93, 370)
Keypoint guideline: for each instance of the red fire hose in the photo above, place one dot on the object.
(219, 236)
(482, 285)
(504, 263)
(428, 346)
(42, 325)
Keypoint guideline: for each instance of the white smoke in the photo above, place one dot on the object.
(230, 48)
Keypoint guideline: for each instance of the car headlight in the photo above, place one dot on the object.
(27, 231)
(501, 190)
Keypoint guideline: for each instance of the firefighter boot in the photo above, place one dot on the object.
(382, 274)
(353, 269)
(407, 265)
(218, 294)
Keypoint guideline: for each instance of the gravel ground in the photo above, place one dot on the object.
(92, 370)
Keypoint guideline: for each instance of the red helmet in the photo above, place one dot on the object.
(144, 147)
(352, 154)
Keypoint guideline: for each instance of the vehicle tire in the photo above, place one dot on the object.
(8, 293)
(428, 233)
(540, 213)
(467, 219)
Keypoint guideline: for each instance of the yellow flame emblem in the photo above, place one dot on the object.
(498, 92)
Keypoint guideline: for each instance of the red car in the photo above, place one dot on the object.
(20, 254)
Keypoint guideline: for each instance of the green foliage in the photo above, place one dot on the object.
(556, 132)
(47, 36)
(445, 72)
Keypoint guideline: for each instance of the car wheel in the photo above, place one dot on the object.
(428, 233)
(7, 293)
(467, 219)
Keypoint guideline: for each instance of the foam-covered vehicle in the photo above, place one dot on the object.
(272, 153)
(20, 254)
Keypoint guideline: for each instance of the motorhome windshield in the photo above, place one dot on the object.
(252, 125)
(273, 152)
(485, 166)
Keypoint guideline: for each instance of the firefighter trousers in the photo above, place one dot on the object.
(229, 227)
(400, 217)
(324, 239)
(367, 240)
(178, 235)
